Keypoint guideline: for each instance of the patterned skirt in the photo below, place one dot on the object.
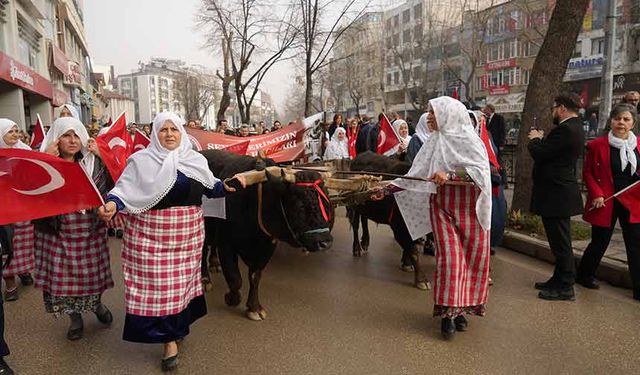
(75, 261)
(161, 260)
(23, 258)
(462, 255)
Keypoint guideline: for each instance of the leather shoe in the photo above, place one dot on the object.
(461, 323)
(4, 368)
(447, 328)
(26, 279)
(170, 364)
(104, 315)
(567, 294)
(76, 328)
(589, 284)
(544, 285)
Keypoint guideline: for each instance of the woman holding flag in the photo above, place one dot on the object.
(71, 253)
(22, 262)
(162, 188)
(611, 166)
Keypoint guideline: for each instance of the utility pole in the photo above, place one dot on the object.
(606, 88)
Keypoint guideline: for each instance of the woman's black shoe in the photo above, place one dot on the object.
(4, 368)
(111, 232)
(26, 279)
(447, 328)
(119, 233)
(76, 328)
(170, 364)
(104, 315)
(589, 284)
(461, 323)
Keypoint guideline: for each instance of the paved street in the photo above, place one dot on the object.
(332, 314)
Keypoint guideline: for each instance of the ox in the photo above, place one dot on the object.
(384, 211)
(289, 207)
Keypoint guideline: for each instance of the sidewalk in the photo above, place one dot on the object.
(614, 264)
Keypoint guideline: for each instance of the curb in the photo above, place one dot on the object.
(614, 272)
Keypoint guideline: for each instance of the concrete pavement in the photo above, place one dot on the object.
(330, 313)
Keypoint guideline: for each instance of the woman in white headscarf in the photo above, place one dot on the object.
(402, 130)
(460, 215)
(71, 253)
(338, 148)
(418, 139)
(67, 110)
(161, 189)
(22, 261)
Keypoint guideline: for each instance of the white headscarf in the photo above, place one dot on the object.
(396, 126)
(454, 145)
(337, 149)
(74, 111)
(626, 147)
(422, 130)
(5, 127)
(63, 125)
(151, 173)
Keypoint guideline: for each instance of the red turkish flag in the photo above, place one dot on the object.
(140, 141)
(630, 197)
(38, 134)
(484, 135)
(35, 185)
(387, 138)
(115, 147)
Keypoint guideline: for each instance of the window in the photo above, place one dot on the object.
(597, 46)
(515, 22)
(502, 25)
(389, 77)
(396, 39)
(500, 51)
(512, 48)
(396, 78)
(417, 73)
(577, 52)
(406, 36)
(396, 20)
(28, 43)
(417, 12)
(525, 77)
(490, 26)
(406, 16)
(514, 76)
(417, 33)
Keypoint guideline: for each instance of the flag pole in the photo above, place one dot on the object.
(622, 191)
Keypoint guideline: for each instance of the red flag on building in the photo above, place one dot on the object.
(42, 185)
(38, 133)
(115, 147)
(387, 138)
(140, 141)
(630, 196)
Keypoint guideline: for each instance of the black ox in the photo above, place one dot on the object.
(384, 211)
(290, 207)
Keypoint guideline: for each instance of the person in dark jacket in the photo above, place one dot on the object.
(338, 122)
(497, 128)
(6, 239)
(556, 193)
(367, 137)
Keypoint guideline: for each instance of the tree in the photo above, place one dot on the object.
(250, 32)
(546, 81)
(196, 92)
(323, 22)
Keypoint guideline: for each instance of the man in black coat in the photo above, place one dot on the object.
(556, 193)
(367, 137)
(498, 130)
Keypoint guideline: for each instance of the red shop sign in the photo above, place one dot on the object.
(20, 75)
(510, 63)
(59, 60)
(499, 90)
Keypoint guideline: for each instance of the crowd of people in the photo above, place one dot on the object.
(462, 207)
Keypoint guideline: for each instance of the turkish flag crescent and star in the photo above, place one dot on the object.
(630, 197)
(140, 141)
(38, 134)
(387, 138)
(115, 147)
(34, 185)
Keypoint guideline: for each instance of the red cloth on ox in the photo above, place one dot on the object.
(630, 198)
(42, 185)
(23, 260)
(161, 260)
(462, 259)
(75, 261)
(115, 147)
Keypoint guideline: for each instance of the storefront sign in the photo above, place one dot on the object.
(59, 60)
(20, 75)
(499, 90)
(584, 68)
(74, 77)
(60, 97)
(586, 62)
(512, 103)
(510, 63)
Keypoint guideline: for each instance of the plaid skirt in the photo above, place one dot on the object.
(23, 259)
(118, 222)
(161, 260)
(75, 261)
(462, 255)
